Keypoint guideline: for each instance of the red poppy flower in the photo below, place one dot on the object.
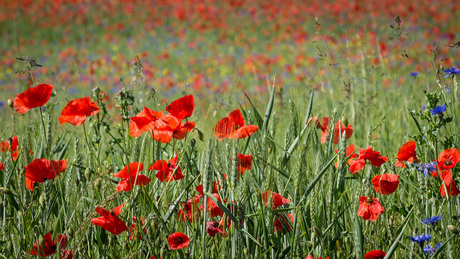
(189, 209)
(309, 257)
(385, 183)
(144, 121)
(244, 162)
(33, 97)
(167, 171)
(14, 144)
(448, 158)
(212, 228)
(448, 184)
(182, 107)
(349, 151)
(406, 153)
(213, 209)
(76, 111)
(372, 156)
(131, 177)
(181, 131)
(133, 231)
(49, 247)
(277, 199)
(110, 221)
(40, 170)
(279, 225)
(325, 129)
(375, 254)
(2, 166)
(66, 254)
(217, 187)
(369, 208)
(232, 127)
(178, 241)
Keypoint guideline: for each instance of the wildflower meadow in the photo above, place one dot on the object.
(229, 129)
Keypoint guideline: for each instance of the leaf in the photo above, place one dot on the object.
(256, 114)
(269, 109)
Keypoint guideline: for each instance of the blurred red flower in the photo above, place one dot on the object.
(406, 153)
(279, 226)
(189, 209)
(213, 208)
(133, 231)
(167, 171)
(49, 247)
(76, 111)
(244, 162)
(277, 199)
(385, 183)
(325, 129)
(2, 166)
(131, 177)
(13, 148)
(369, 208)
(110, 221)
(232, 127)
(33, 97)
(349, 152)
(40, 170)
(375, 254)
(212, 228)
(372, 156)
(178, 241)
(448, 158)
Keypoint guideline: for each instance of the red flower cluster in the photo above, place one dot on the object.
(131, 177)
(165, 127)
(110, 221)
(349, 152)
(40, 170)
(406, 153)
(370, 155)
(375, 254)
(212, 228)
(232, 127)
(369, 208)
(279, 226)
(325, 129)
(13, 147)
(77, 110)
(167, 171)
(244, 162)
(49, 247)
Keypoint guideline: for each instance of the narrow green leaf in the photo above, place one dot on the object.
(269, 109)
(395, 244)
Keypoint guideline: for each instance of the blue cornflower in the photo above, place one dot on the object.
(431, 250)
(426, 168)
(438, 109)
(420, 239)
(414, 74)
(2, 103)
(431, 221)
(452, 71)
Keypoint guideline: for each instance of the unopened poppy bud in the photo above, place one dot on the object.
(192, 142)
(88, 173)
(5, 190)
(317, 231)
(53, 93)
(10, 103)
(70, 232)
(213, 249)
(214, 114)
(453, 229)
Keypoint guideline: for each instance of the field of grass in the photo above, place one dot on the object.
(225, 129)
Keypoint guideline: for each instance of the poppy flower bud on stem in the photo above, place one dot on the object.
(317, 231)
(453, 229)
(10, 103)
(5, 190)
(41, 200)
(345, 121)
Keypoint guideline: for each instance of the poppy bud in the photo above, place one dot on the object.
(70, 232)
(214, 114)
(453, 229)
(5, 190)
(19, 213)
(213, 249)
(192, 142)
(10, 103)
(53, 93)
(317, 231)
(41, 200)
